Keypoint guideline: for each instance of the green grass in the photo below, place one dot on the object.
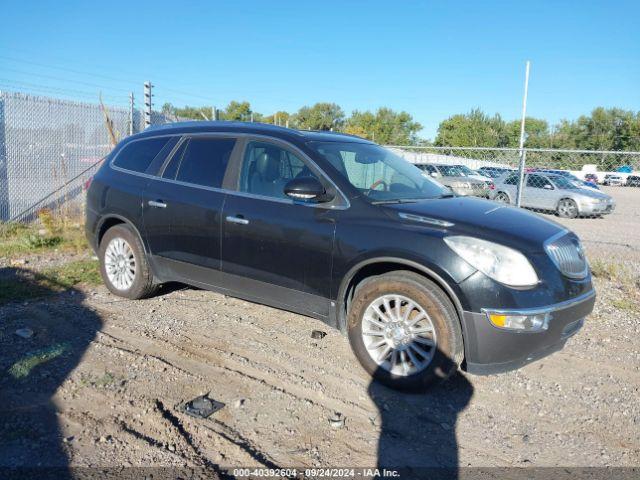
(22, 368)
(26, 284)
(18, 239)
(625, 304)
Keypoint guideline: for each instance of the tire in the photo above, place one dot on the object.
(445, 357)
(119, 238)
(502, 198)
(567, 208)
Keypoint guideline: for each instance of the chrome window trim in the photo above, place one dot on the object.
(541, 310)
(141, 174)
(274, 140)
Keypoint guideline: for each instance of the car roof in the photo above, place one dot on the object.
(290, 134)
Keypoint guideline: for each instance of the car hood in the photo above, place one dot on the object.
(484, 219)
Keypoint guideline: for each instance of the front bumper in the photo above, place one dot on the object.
(490, 349)
(597, 208)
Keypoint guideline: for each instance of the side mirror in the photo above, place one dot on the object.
(548, 187)
(306, 189)
(434, 174)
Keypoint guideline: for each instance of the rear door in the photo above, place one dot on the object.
(183, 206)
(276, 249)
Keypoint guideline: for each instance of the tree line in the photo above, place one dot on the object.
(602, 129)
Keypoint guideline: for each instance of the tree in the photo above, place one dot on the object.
(279, 118)
(536, 133)
(239, 111)
(603, 129)
(474, 129)
(321, 116)
(386, 126)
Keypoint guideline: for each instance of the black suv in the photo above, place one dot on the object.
(338, 228)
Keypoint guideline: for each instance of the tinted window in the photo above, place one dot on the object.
(511, 179)
(205, 161)
(138, 155)
(172, 167)
(267, 168)
(537, 181)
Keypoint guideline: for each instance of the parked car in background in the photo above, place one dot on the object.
(552, 192)
(457, 180)
(591, 177)
(340, 229)
(567, 174)
(473, 174)
(633, 181)
(613, 179)
(494, 172)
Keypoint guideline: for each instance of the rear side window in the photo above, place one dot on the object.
(205, 161)
(138, 155)
(511, 179)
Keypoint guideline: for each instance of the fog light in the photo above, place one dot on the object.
(526, 323)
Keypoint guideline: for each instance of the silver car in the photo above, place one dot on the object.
(456, 179)
(551, 192)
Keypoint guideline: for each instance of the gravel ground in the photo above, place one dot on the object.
(101, 382)
(615, 237)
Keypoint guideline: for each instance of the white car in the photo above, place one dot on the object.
(613, 179)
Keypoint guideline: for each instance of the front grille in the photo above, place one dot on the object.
(567, 254)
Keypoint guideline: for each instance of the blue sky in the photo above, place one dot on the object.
(432, 59)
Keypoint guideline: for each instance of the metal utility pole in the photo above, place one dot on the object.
(523, 153)
(147, 104)
(131, 107)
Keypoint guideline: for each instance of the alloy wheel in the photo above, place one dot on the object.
(399, 335)
(568, 208)
(120, 264)
(502, 197)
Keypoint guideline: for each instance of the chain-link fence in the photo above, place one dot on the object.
(50, 147)
(567, 182)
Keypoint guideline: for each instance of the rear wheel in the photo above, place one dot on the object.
(404, 330)
(567, 208)
(502, 197)
(123, 264)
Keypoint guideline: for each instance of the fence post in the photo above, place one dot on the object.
(523, 153)
(147, 104)
(131, 106)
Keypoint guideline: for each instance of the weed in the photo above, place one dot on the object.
(22, 368)
(606, 270)
(625, 304)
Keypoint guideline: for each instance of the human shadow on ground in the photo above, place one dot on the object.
(44, 332)
(418, 430)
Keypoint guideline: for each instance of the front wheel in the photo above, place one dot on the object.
(404, 330)
(123, 264)
(567, 208)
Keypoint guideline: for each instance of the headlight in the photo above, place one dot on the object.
(503, 264)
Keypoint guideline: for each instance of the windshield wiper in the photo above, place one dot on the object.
(447, 195)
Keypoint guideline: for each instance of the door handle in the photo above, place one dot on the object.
(238, 220)
(157, 203)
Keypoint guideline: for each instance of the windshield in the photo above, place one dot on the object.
(466, 170)
(451, 171)
(377, 173)
(563, 182)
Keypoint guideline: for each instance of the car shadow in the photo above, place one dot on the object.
(44, 331)
(418, 430)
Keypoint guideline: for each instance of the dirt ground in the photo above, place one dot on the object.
(101, 380)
